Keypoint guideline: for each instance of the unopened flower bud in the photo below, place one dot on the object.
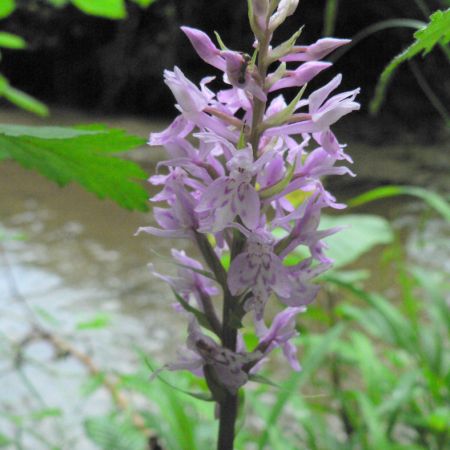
(285, 9)
(260, 9)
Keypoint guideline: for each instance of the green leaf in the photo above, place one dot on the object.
(201, 317)
(6, 8)
(110, 9)
(281, 116)
(376, 433)
(362, 233)
(433, 199)
(101, 320)
(285, 47)
(93, 383)
(67, 154)
(144, 3)
(46, 413)
(437, 31)
(5, 440)
(258, 378)
(21, 99)
(220, 42)
(197, 395)
(311, 361)
(9, 40)
(278, 187)
(112, 433)
(58, 3)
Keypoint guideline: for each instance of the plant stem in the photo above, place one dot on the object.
(229, 404)
(228, 415)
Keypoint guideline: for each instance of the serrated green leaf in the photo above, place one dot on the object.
(9, 40)
(437, 31)
(64, 155)
(6, 8)
(109, 9)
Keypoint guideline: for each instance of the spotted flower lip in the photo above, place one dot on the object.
(259, 270)
(228, 366)
(234, 194)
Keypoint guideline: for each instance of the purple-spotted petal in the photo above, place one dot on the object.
(248, 205)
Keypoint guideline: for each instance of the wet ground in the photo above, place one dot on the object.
(71, 259)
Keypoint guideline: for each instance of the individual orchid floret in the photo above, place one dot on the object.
(179, 128)
(259, 271)
(322, 112)
(300, 76)
(189, 97)
(285, 9)
(180, 219)
(316, 51)
(225, 366)
(281, 331)
(234, 64)
(189, 281)
(231, 196)
(325, 113)
(192, 101)
(237, 65)
(205, 48)
(303, 291)
(305, 229)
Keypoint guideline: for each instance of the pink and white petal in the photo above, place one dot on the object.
(204, 47)
(217, 192)
(279, 277)
(248, 205)
(241, 274)
(317, 98)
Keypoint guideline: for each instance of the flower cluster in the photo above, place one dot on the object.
(243, 182)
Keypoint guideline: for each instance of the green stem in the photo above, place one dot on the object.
(229, 404)
(426, 88)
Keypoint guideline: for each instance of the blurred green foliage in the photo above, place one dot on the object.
(109, 9)
(436, 32)
(82, 155)
(376, 369)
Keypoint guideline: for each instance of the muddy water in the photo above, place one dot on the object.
(68, 258)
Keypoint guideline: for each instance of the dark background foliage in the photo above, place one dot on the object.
(116, 66)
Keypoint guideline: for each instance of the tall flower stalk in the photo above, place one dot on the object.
(238, 162)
